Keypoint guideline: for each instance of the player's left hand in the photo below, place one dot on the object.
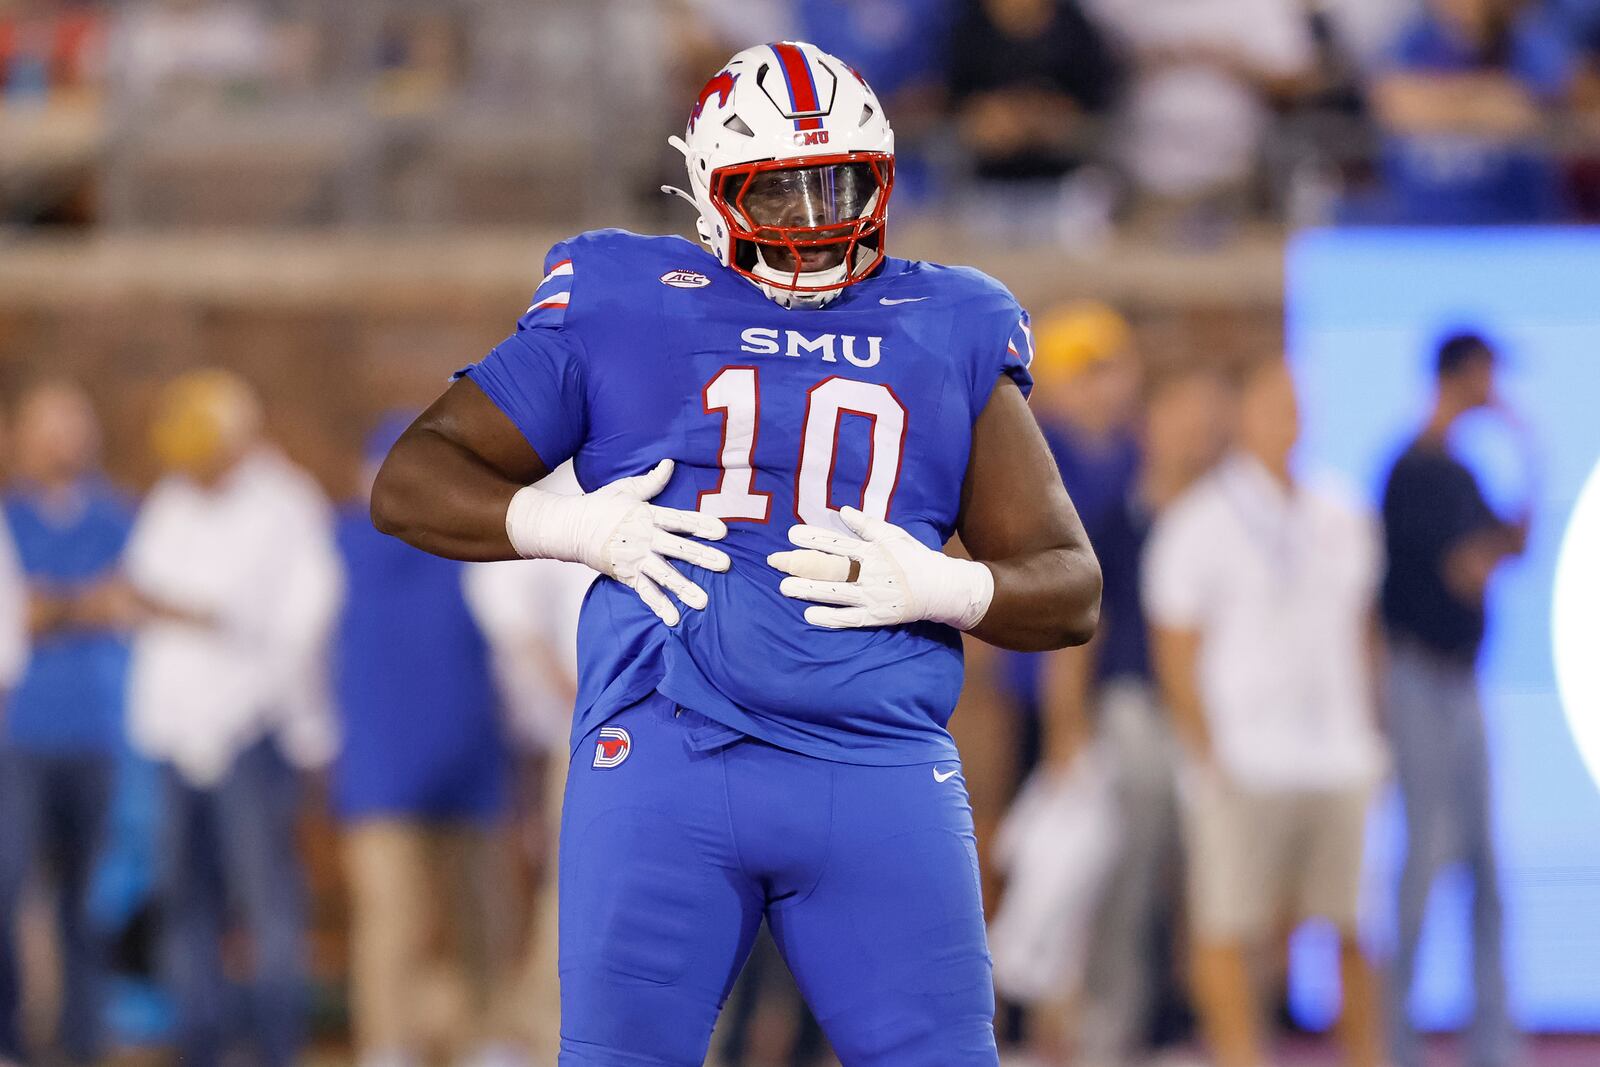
(881, 577)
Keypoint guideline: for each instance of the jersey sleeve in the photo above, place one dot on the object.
(553, 295)
(536, 375)
(1017, 363)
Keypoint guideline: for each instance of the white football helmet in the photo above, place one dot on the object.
(791, 162)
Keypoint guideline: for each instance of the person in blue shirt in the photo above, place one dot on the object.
(1468, 88)
(1086, 371)
(420, 783)
(63, 724)
(1087, 374)
(901, 45)
(761, 727)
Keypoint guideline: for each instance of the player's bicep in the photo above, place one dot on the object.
(536, 379)
(466, 418)
(1012, 501)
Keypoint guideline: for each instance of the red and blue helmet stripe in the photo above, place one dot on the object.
(802, 84)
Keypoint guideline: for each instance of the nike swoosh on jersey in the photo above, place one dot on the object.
(946, 776)
(891, 301)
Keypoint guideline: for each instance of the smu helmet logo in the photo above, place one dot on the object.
(721, 87)
(613, 746)
(811, 137)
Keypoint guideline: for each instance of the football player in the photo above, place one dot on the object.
(779, 435)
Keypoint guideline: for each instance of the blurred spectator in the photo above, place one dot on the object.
(1201, 94)
(1027, 79)
(900, 46)
(736, 24)
(51, 128)
(1107, 690)
(1464, 102)
(705, 32)
(182, 50)
(1327, 144)
(421, 786)
(1444, 544)
(1362, 30)
(529, 611)
(64, 719)
(420, 55)
(1261, 589)
(1349, 39)
(13, 659)
(46, 47)
(124, 908)
(1086, 375)
(902, 49)
(232, 556)
(1579, 22)
(1581, 19)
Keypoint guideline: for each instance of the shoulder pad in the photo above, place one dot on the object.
(595, 265)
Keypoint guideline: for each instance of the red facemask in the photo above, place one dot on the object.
(801, 216)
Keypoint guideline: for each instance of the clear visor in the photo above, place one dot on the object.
(809, 197)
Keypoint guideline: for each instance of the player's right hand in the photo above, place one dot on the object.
(617, 532)
(644, 536)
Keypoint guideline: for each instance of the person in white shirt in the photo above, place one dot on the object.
(14, 648)
(233, 560)
(13, 659)
(530, 616)
(1198, 104)
(1260, 591)
(529, 612)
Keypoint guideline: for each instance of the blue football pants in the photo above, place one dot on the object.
(673, 854)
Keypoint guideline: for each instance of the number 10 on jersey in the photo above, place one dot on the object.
(735, 395)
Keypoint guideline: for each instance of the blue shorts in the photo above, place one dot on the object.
(679, 834)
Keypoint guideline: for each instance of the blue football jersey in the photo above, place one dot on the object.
(638, 349)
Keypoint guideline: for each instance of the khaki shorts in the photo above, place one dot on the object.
(1259, 861)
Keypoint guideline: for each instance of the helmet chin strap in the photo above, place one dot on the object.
(799, 301)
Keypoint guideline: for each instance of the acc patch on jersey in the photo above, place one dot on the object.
(685, 279)
(613, 746)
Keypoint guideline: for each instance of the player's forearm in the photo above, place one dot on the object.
(1043, 600)
(435, 495)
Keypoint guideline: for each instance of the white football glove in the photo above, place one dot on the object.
(614, 531)
(885, 577)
